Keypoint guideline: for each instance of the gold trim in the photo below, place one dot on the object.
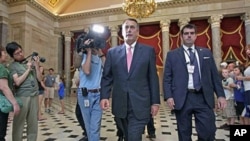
(159, 45)
(238, 29)
(53, 3)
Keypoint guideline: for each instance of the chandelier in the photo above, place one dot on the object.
(139, 8)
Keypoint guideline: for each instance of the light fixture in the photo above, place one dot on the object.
(139, 8)
(98, 28)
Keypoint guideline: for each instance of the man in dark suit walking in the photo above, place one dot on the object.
(130, 70)
(190, 80)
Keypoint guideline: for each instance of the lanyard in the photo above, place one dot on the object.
(189, 55)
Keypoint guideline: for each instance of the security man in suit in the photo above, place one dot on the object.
(130, 70)
(189, 82)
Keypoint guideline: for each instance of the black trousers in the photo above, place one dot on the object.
(80, 118)
(131, 127)
(3, 125)
(120, 130)
(195, 105)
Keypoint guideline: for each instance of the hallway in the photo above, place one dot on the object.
(65, 127)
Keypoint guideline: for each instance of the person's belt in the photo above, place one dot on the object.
(94, 90)
(194, 91)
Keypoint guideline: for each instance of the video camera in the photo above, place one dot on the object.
(42, 59)
(95, 34)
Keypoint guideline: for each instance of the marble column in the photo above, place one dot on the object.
(67, 36)
(114, 35)
(3, 31)
(165, 37)
(60, 53)
(216, 40)
(246, 19)
(183, 21)
(165, 48)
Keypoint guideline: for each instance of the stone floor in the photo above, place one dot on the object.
(65, 127)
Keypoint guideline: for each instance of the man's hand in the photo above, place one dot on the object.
(16, 109)
(104, 104)
(222, 103)
(154, 109)
(170, 103)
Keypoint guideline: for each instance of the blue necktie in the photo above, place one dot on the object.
(196, 75)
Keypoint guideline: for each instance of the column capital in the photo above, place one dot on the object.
(114, 30)
(68, 35)
(165, 25)
(183, 21)
(246, 18)
(215, 20)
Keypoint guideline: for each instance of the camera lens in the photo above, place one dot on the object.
(42, 59)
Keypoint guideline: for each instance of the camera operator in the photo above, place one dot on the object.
(25, 78)
(89, 95)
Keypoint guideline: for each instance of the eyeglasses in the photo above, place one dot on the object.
(18, 53)
(187, 33)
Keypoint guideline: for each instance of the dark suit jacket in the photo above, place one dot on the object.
(140, 83)
(175, 80)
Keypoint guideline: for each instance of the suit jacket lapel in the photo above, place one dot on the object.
(181, 55)
(123, 56)
(200, 54)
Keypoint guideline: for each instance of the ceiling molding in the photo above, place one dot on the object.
(109, 11)
(160, 5)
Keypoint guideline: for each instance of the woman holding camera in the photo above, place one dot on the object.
(25, 78)
(5, 89)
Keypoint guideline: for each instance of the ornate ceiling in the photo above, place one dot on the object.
(68, 7)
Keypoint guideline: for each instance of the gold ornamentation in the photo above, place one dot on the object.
(53, 2)
(139, 8)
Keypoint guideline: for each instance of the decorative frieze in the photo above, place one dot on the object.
(116, 11)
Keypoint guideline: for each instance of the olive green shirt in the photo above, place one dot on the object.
(4, 74)
(29, 87)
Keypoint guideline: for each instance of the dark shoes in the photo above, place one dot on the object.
(151, 136)
(224, 126)
(172, 112)
(84, 139)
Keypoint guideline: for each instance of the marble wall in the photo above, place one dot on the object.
(34, 31)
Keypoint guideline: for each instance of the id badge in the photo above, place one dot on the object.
(190, 68)
(86, 103)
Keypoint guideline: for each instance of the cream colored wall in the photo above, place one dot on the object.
(34, 31)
